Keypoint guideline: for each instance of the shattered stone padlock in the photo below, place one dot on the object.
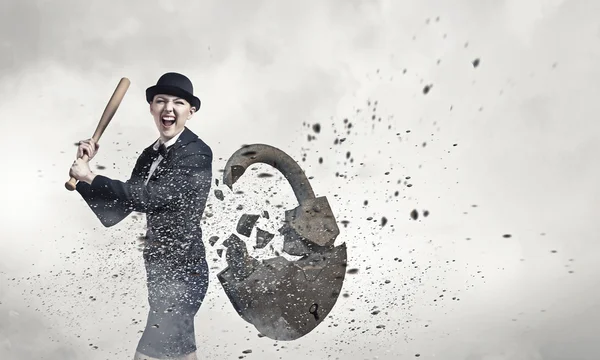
(284, 299)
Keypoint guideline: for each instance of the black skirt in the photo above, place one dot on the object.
(175, 295)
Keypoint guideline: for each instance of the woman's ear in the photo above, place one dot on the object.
(192, 111)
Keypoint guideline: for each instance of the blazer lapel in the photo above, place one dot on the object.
(150, 154)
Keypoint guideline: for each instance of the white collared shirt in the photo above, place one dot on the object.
(159, 159)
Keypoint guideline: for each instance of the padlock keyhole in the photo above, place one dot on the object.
(313, 310)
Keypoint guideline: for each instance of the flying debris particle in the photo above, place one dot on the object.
(265, 214)
(425, 213)
(264, 175)
(414, 214)
(506, 236)
(383, 221)
(366, 202)
(553, 251)
(475, 63)
(246, 224)
(345, 223)
(348, 155)
(263, 238)
(100, 167)
(239, 207)
(352, 271)
(220, 252)
(247, 351)
(234, 242)
(219, 194)
(317, 128)
(217, 182)
(320, 160)
(427, 88)
(213, 240)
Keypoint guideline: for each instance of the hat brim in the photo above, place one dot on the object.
(172, 90)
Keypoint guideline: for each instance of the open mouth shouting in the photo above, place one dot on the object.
(167, 120)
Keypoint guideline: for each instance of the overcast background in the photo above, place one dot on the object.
(505, 145)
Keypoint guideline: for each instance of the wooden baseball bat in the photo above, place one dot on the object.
(107, 115)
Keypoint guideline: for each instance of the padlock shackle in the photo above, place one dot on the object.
(266, 154)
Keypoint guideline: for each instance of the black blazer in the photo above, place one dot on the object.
(173, 201)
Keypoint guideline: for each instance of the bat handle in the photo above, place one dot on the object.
(72, 183)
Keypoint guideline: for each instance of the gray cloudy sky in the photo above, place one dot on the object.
(524, 122)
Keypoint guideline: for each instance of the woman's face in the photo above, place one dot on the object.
(170, 114)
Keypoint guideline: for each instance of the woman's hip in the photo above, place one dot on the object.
(173, 286)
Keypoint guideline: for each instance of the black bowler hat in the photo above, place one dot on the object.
(174, 84)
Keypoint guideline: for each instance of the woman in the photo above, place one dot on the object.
(170, 184)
